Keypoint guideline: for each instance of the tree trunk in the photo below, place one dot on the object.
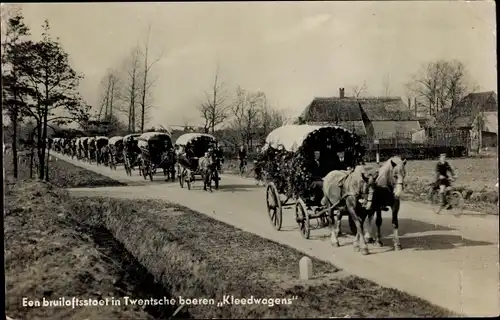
(44, 138)
(14, 143)
(32, 154)
(111, 98)
(47, 165)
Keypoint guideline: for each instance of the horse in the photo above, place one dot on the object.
(168, 160)
(388, 190)
(205, 167)
(351, 191)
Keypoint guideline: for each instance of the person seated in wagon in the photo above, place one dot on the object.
(318, 170)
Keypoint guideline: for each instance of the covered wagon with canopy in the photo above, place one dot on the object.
(157, 152)
(285, 157)
(101, 144)
(115, 151)
(91, 149)
(131, 152)
(190, 147)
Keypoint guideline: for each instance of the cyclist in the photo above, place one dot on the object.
(242, 156)
(443, 180)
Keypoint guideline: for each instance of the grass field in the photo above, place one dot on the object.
(476, 180)
(48, 253)
(196, 256)
(188, 254)
(63, 174)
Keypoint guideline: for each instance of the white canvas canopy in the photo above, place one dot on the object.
(114, 140)
(101, 138)
(150, 135)
(291, 137)
(188, 137)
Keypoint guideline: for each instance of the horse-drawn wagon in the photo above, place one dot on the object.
(288, 156)
(115, 152)
(157, 152)
(101, 144)
(192, 149)
(131, 152)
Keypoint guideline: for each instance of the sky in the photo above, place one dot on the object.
(292, 51)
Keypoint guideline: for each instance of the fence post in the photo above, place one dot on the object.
(377, 153)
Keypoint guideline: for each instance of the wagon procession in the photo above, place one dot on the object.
(318, 171)
(191, 155)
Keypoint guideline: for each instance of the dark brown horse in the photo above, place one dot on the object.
(351, 192)
(168, 160)
(389, 187)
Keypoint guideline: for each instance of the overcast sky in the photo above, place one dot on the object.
(293, 51)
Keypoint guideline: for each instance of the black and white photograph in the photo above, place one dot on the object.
(250, 160)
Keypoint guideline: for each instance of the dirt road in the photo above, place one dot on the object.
(451, 262)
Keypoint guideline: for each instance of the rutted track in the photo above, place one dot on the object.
(451, 262)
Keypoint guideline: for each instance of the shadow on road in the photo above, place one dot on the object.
(407, 226)
(237, 187)
(440, 242)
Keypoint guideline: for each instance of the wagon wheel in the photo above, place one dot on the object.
(274, 208)
(456, 200)
(302, 217)
(435, 201)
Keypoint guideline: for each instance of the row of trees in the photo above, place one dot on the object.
(434, 90)
(126, 91)
(38, 84)
(246, 114)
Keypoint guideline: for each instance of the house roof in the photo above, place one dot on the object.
(383, 109)
(477, 102)
(332, 110)
(386, 129)
(351, 109)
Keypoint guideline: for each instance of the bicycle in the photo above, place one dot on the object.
(454, 200)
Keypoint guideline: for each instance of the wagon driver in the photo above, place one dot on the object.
(318, 171)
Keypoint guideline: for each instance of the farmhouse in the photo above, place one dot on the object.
(478, 114)
(386, 119)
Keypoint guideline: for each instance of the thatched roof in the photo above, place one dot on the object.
(387, 109)
(332, 110)
(336, 110)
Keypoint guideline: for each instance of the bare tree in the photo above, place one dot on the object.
(147, 83)
(109, 93)
(358, 91)
(440, 85)
(214, 110)
(386, 86)
(271, 119)
(246, 112)
(131, 89)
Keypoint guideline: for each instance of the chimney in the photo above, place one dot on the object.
(341, 93)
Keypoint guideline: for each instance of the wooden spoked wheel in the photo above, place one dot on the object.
(302, 218)
(274, 208)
